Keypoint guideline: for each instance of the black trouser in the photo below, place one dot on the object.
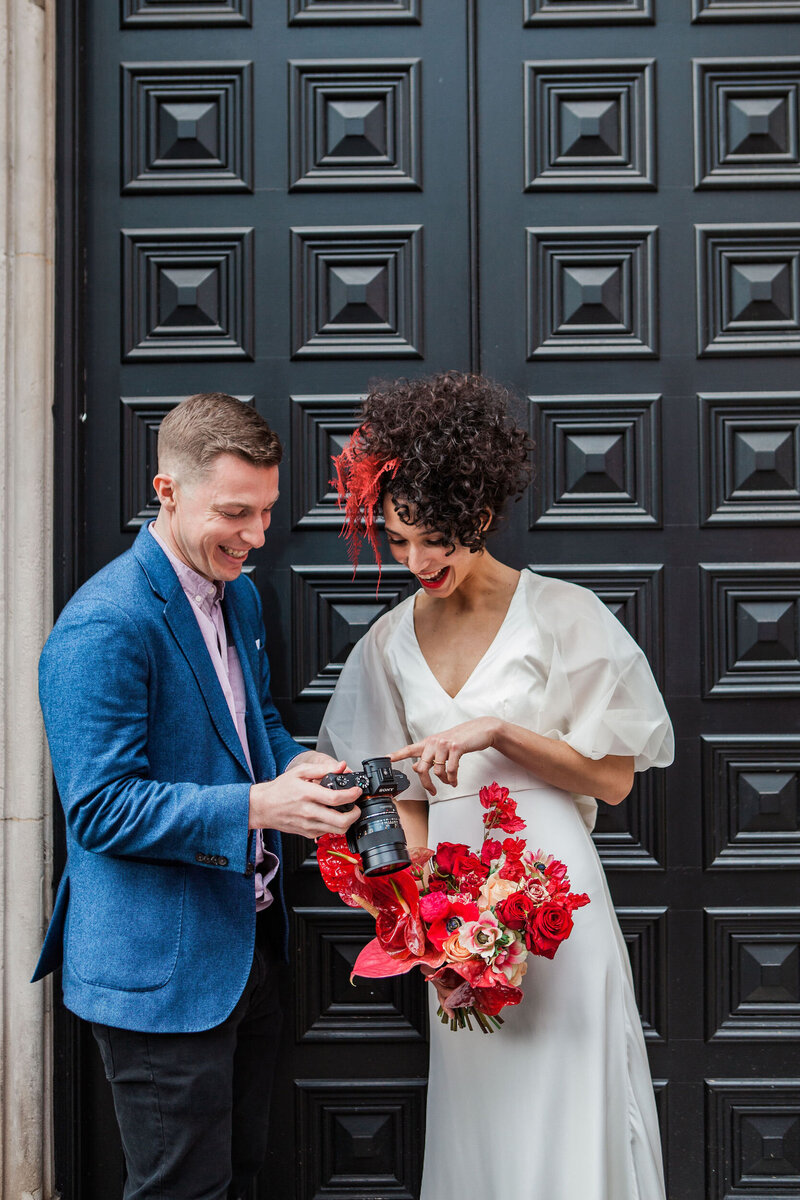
(193, 1108)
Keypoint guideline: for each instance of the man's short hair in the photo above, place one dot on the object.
(199, 429)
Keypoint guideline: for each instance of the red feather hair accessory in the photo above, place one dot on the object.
(358, 486)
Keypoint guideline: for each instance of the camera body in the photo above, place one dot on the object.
(377, 834)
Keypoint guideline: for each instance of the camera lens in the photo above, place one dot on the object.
(378, 837)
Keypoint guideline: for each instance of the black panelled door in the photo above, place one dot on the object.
(594, 201)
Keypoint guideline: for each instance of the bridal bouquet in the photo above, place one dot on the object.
(472, 918)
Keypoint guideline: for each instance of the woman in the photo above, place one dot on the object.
(488, 673)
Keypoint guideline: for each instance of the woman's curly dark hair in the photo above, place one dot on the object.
(461, 453)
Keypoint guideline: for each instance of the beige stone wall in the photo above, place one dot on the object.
(27, 69)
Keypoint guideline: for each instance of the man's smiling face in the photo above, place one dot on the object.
(212, 521)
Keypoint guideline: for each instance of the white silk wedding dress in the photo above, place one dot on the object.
(559, 1102)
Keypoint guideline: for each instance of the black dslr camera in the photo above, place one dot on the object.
(377, 835)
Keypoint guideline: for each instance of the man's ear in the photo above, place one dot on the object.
(165, 488)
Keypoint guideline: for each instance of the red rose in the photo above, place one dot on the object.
(437, 885)
(465, 865)
(446, 853)
(547, 929)
(515, 910)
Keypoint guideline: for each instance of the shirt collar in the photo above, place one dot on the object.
(199, 590)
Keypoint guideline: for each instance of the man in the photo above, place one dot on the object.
(170, 758)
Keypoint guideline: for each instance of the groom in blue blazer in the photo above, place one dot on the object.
(170, 760)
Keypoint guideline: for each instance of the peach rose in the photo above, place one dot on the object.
(453, 948)
(494, 890)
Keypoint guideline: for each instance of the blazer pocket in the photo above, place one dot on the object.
(124, 923)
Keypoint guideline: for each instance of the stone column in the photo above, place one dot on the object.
(27, 69)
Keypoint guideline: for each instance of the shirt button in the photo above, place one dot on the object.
(198, 599)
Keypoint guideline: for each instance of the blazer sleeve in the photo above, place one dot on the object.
(96, 713)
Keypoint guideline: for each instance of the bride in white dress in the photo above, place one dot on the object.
(487, 674)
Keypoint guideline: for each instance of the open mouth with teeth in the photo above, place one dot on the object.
(231, 553)
(434, 581)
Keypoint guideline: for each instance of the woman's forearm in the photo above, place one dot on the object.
(414, 819)
(609, 779)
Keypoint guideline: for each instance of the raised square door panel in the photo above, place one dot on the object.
(598, 461)
(645, 934)
(747, 113)
(751, 630)
(748, 289)
(751, 801)
(357, 292)
(587, 12)
(141, 417)
(321, 428)
(187, 127)
(362, 1138)
(592, 292)
(631, 835)
(753, 974)
(331, 610)
(354, 124)
(750, 458)
(186, 12)
(354, 12)
(746, 10)
(589, 124)
(753, 1139)
(329, 1008)
(187, 294)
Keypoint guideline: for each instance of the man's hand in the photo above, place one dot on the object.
(317, 758)
(295, 802)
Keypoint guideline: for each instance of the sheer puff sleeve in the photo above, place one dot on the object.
(365, 717)
(600, 694)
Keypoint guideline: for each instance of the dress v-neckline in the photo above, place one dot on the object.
(482, 658)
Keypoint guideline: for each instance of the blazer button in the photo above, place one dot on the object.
(201, 858)
(222, 861)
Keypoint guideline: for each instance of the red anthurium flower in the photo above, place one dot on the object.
(341, 872)
(398, 926)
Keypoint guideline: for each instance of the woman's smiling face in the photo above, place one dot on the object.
(439, 568)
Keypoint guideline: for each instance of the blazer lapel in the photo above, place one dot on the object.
(258, 742)
(186, 632)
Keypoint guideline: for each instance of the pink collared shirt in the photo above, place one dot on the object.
(205, 599)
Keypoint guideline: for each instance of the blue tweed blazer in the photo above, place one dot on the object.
(155, 914)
